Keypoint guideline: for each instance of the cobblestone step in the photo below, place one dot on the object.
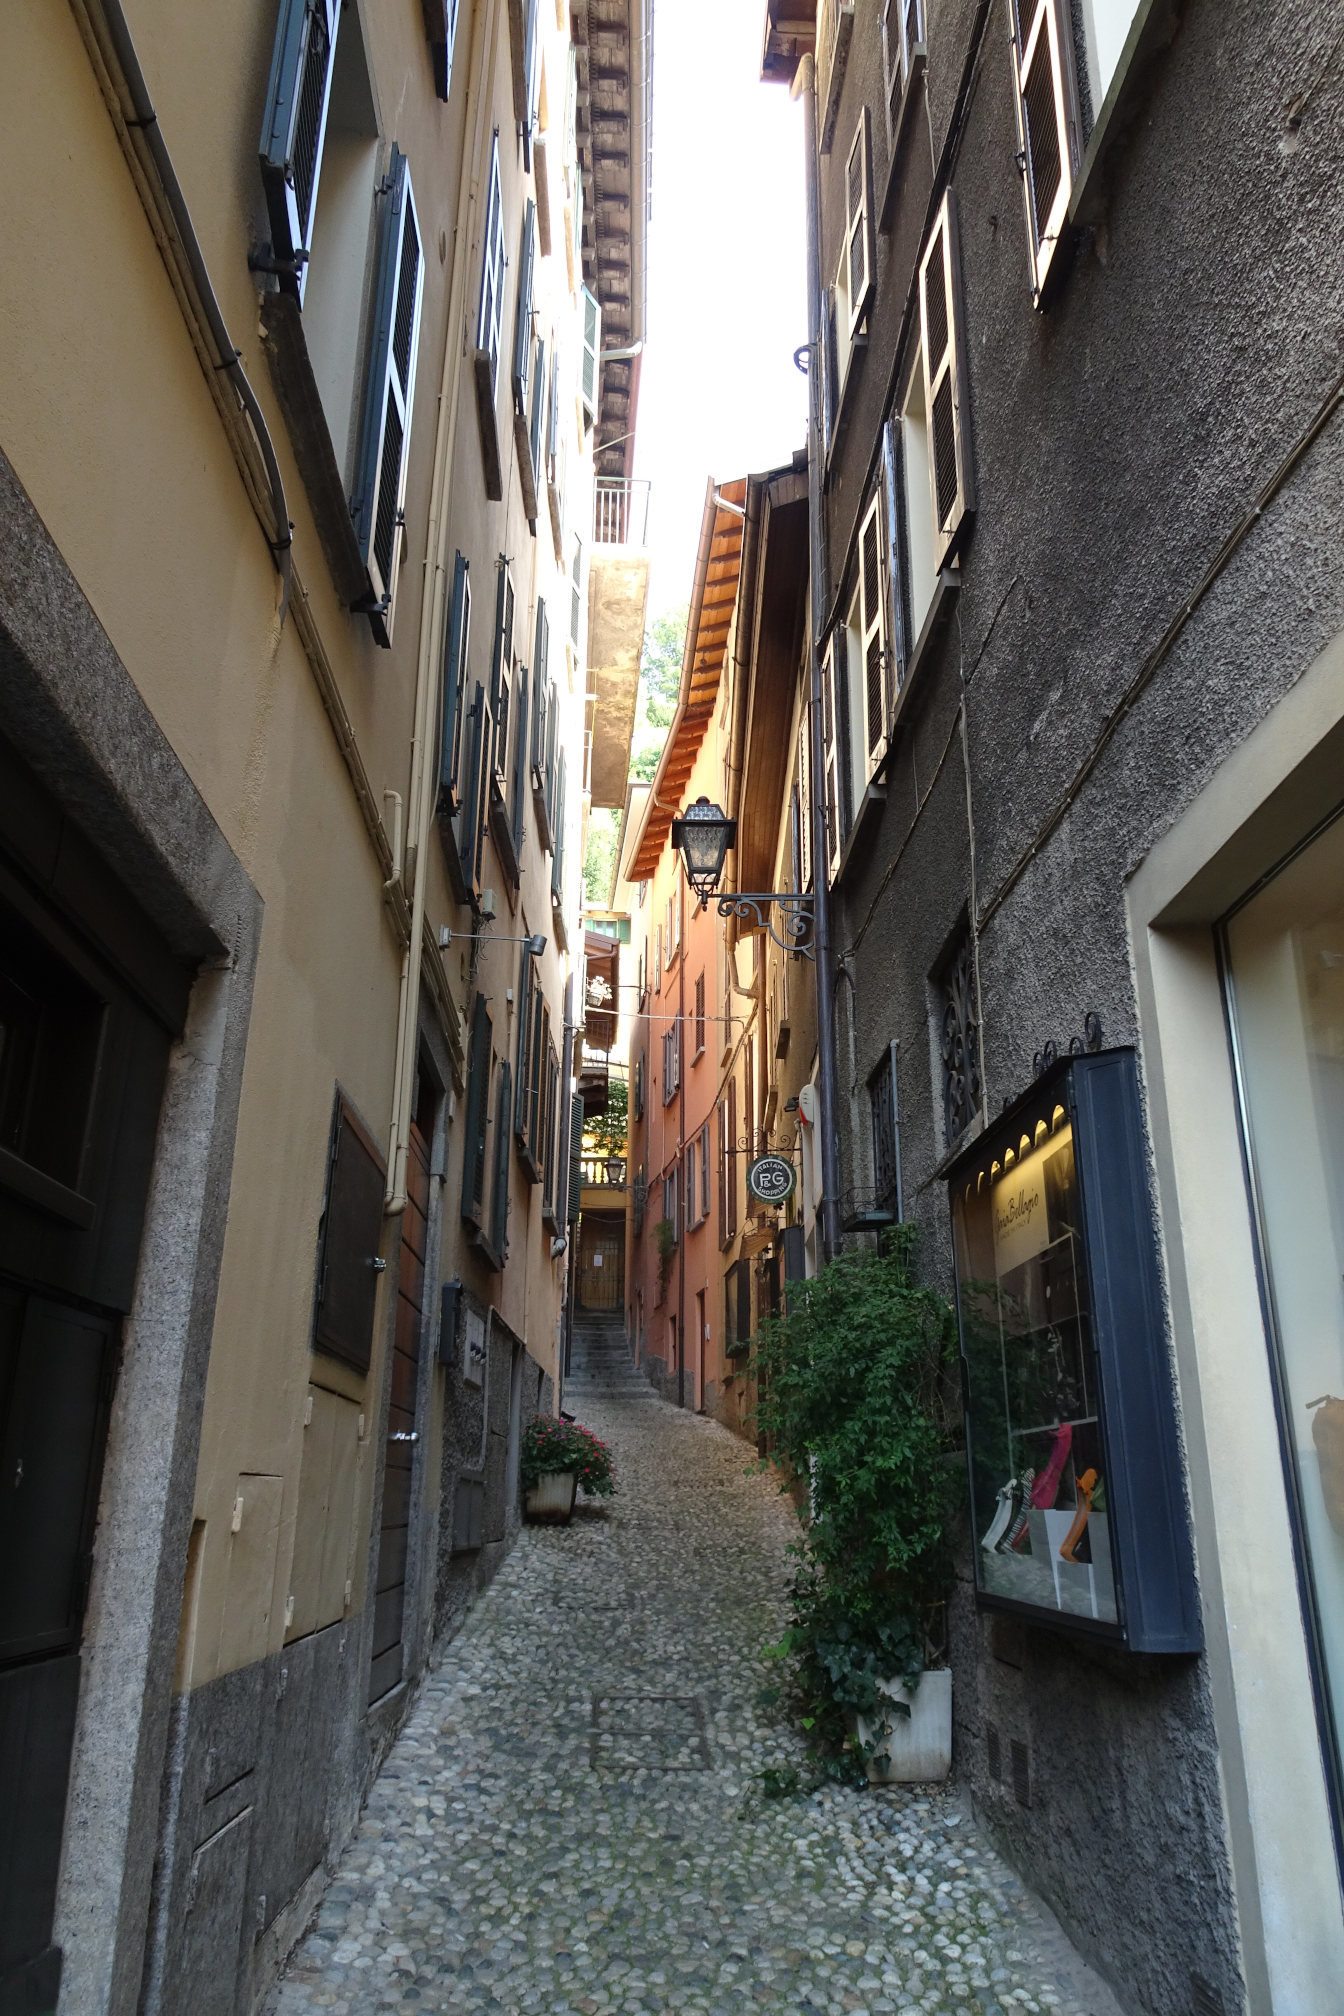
(573, 1820)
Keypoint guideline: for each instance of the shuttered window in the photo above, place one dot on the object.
(575, 1172)
(518, 809)
(892, 479)
(944, 393)
(730, 1213)
(380, 484)
(456, 639)
(902, 50)
(576, 595)
(860, 244)
(592, 355)
(348, 1239)
(501, 674)
(475, 1129)
(550, 1126)
(1046, 85)
(832, 729)
(558, 857)
(294, 127)
(882, 1097)
(805, 798)
(522, 335)
(873, 629)
(441, 29)
(492, 271)
(499, 1196)
(534, 436)
(471, 819)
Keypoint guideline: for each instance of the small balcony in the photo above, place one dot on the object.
(603, 1172)
(620, 511)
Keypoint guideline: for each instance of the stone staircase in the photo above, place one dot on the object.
(600, 1361)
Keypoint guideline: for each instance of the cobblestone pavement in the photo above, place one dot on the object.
(572, 1820)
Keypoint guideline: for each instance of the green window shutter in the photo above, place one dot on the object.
(493, 263)
(380, 485)
(541, 712)
(474, 1131)
(558, 857)
(521, 701)
(538, 412)
(454, 689)
(471, 819)
(575, 1157)
(294, 128)
(522, 335)
(527, 997)
(501, 673)
(441, 28)
(499, 1210)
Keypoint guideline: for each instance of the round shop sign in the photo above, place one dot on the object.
(771, 1178)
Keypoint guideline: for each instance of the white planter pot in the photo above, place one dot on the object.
(550, 1501)
(918, 1748)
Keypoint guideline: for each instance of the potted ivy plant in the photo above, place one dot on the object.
(559, 1460)
(857, 1400)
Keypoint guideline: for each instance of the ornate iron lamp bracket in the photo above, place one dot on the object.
(794, 933)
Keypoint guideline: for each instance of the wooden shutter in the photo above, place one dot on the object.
(731, 1213)
(522, 335)
(294, 128)
(860, 240)
(348, 1240)
(944, 393)
(832, 679)
(575, 1157)
(892, 490)
(553, 420)
(723, 1173)
(576, 594)
(499, 1196)
(1049, 126)
(558, 857)
(592, 355)
(380, 486)
(474, 1132)
(873, 628)
(538, 411)
(492, 270)
(501, 674)
(528, 1000)
(704, 1170)
(893, 67)
(805, 798)
(521, 701)
(441, 30)
(471, 820)
(456, 639)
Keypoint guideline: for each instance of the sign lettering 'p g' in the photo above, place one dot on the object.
(771, 1179)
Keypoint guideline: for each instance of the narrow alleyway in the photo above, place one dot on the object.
(572, 1820)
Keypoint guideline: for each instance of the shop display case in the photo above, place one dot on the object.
(1077, 1496)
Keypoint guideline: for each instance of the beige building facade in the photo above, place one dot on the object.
(301, 376)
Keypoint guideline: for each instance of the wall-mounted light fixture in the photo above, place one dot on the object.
(536, 944)
(703, 834)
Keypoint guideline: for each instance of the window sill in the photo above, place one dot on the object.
(531, 1167)
(696, 1055)
(291, 370)
(486, 1248)
(867, 816)
(1151, 31)
(946, 590)
(918, 65)
(545, 832)
(489, 426)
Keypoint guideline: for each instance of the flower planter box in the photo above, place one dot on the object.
(918, 1749)
(550, 1501)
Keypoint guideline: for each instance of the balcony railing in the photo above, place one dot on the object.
(620, 511)
(603, 1172)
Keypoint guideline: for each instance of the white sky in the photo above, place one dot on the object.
(719, 395)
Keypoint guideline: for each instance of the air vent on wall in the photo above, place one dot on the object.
(1205, 1999)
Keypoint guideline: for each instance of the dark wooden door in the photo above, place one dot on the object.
(602, 1263)
(402, 1441)
(81, 1078)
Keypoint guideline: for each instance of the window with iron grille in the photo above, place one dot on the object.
(700, 1015)
(959, 1037)
(882, 1096)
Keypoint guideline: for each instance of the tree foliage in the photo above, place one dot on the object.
(857, 1401)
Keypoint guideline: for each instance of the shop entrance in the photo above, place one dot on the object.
(602, 1261)
(82, 1063)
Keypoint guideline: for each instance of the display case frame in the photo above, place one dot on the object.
(1061, 1317)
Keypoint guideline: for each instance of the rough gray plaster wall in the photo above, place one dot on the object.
(1116, 439)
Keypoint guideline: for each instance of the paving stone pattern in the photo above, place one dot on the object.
(573, 1820)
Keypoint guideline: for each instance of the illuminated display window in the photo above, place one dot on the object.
(1077, 1500)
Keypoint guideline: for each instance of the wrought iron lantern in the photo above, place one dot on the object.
(703, 834)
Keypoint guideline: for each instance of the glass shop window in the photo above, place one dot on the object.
(1285, 967)
(1038, 1457)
